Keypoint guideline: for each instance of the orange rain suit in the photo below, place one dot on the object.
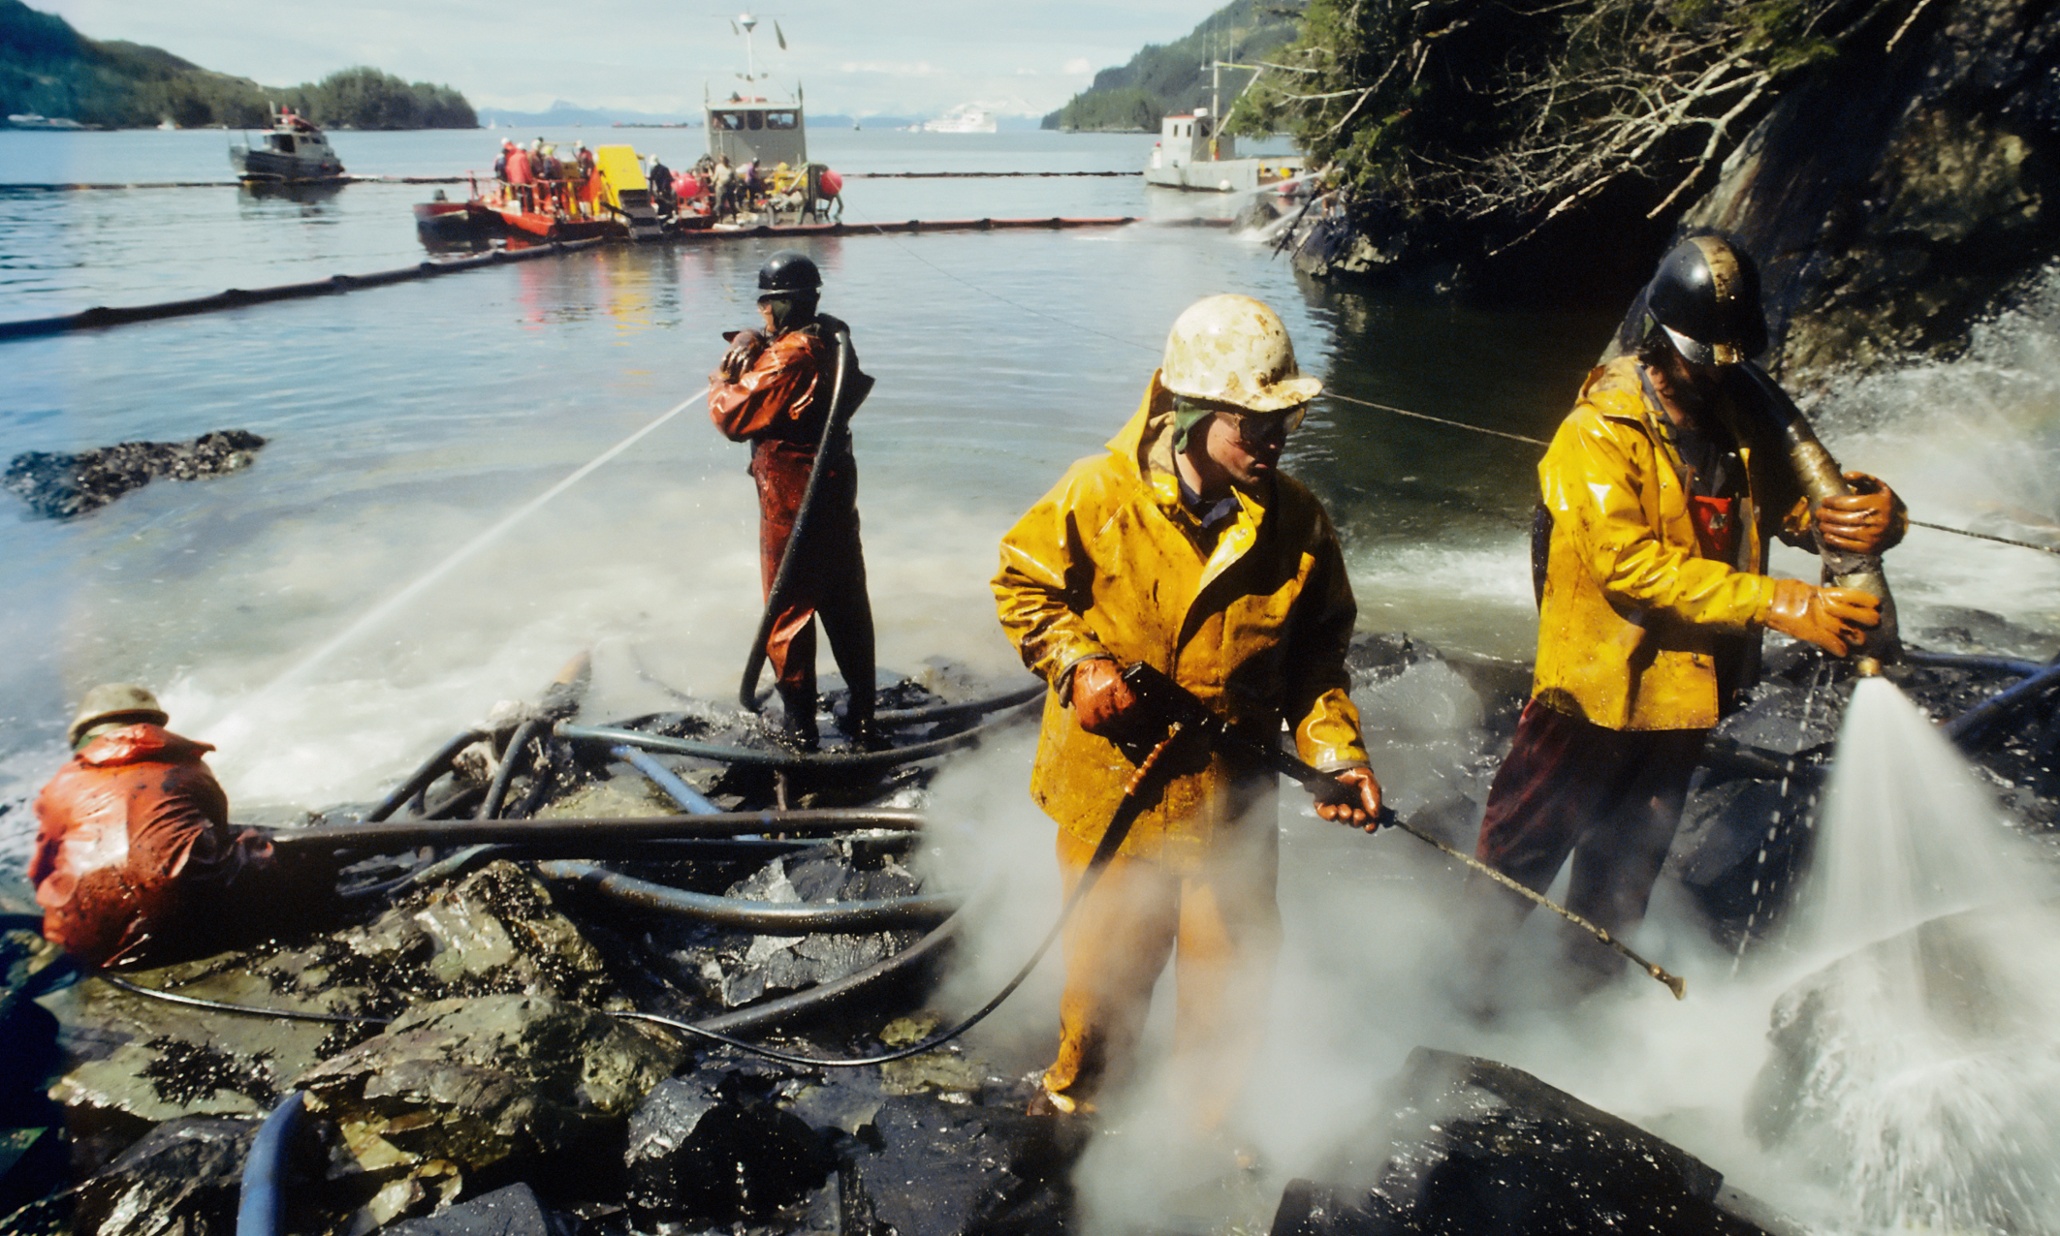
(779, 405)
(1255, 619)
(134, 853)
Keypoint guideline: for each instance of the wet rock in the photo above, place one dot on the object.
(513, 1211)
(498, 930)
(180, 1180)
(1740, 847)
(32, 1153)
(474, 1082)
(934, 1168)
(713, 1147)
(1477, 1146)
(761, 966)
(1903, 187)
(1916, 1076)
(60, 485)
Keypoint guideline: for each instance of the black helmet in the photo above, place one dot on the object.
(788, 271)
(1706, 296)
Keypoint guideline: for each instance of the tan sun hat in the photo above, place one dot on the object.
(1235, 350)
(115, 701)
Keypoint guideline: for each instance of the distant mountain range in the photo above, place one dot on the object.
(1174, 77)
(49, 69)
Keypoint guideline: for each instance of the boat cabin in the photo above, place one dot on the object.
(748, 129)
(1186, 139)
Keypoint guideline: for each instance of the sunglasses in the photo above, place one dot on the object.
(1255, 429)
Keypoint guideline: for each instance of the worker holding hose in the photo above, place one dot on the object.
(773, 390)
(1661, 492)
(1185, 548)
(135, 859)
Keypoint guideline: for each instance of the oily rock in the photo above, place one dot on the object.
(60, 485)
(930, 1167)
(1472, 1145)
(182, 1179)
(714, 1147)
(476, 1081)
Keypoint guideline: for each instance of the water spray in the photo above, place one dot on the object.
(1822, 478)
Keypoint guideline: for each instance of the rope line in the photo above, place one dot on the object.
(1985, 536)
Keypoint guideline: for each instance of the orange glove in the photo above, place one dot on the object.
(745, 345)
(1356, 801)
(1834, 619)
(1867, 521)
(1101, 699)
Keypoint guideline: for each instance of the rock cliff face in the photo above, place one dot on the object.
(1905, 189)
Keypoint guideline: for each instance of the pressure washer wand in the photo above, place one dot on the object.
(1171, 701)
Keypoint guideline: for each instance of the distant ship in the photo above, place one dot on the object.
(966, 119)
(30, 120)
(294, 150)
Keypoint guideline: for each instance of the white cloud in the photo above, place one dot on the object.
(908, 57)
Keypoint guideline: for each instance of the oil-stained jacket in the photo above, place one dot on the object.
(1256, 622)
(132, 835)
(1633, 618)
(779, 402)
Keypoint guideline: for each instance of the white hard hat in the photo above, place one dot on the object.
(1233, 349)
(115, 701)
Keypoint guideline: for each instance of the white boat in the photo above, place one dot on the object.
(1192, 153)
(963, 119)
(294, 150)
(30, 120)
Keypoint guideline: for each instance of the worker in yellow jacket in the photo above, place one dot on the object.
(1659, 496)
(1183, 546)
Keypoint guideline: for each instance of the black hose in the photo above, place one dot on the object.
(420, 779)
(952, 712)
(261, 1209)
(1968, 727)
(392, 836)
(847, 761)
(513, 760)
(760, 917)
(245, 1010)
(1964, 660)
(1143, 782)
(775, 596)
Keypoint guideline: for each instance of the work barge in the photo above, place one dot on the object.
(507, 1010)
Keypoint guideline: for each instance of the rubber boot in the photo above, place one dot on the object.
(798, 728)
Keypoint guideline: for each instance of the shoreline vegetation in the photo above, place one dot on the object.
(47, 68)
(1173, 77)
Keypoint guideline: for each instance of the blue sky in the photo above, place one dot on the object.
(906, 57)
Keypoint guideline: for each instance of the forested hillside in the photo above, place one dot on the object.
(1173, 77)
(50, 69)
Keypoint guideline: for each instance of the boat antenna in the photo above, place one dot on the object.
(747, 24)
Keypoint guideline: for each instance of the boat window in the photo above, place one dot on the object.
(282, 141)
(754, 120)
(727, 120)
(781, 120)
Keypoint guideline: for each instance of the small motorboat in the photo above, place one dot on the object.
(295, 150)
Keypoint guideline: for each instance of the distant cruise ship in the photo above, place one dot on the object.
(967, 119)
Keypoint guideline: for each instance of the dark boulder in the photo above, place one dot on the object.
(932, 1167)
(1476, 1146)
(182, 1179)
(714, 1147)
(513, 1211)
(1900, 189)
(60, 485)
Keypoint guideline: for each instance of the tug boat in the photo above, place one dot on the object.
(295, 150)
(1194, 153)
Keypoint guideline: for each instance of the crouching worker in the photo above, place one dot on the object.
(135, 859)
(1185, 548)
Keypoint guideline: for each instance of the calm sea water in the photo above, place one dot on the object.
(404, 421)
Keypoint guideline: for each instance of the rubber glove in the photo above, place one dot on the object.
(1867, 521)
(1102, 701)
(745, 345)
(1357, 801)
(1834, 619)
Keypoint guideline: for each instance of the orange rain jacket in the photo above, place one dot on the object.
(1111, 561)
(133, 839)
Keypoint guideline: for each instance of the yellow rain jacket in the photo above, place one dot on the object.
(1633, 618)
(1111, 561)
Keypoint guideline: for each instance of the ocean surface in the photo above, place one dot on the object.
(407, 554)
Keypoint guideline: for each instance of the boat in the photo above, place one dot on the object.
(963, 119)
(556, 203)
(295, 149)
(1193, 152)
(31, 120)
